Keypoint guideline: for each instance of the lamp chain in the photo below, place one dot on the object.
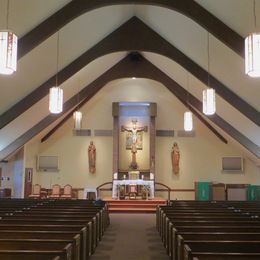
(254, 13)
(208, 59)
(57, 61)
(188, 93)
(78, 106)
(7, 15)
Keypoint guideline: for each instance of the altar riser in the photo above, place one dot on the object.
(134, 206)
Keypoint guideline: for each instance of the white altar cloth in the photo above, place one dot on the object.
(133, 182)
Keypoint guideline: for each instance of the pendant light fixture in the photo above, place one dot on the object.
(77, 115)
(252, 51)
(209, 96)
(8, 49)
(188, 120)
(56, 93)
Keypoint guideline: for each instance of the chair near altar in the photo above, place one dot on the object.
(67, 192)
(36, 193)
(55, 193)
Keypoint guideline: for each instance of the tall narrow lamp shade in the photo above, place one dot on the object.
(8, 52)
(56, 100)
(77, 115)
(209, 101)
(188, 122)
(252, 55)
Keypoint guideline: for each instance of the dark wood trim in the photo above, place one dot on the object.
(133, 35)
(145, 69)
(76, 8)
(183, 190)
(206, 123)
(129, 67)
(176, 190)
(141, 68)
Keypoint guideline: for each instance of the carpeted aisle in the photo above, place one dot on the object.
(131, 237)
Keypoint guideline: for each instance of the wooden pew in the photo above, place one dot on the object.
(217, 236)
(85, 220)
(192, 221)
(91, 236)
(179, 230)
(205, 213)
(216, 250)
(66, 215)
(58, 215)
(70, 237)
(53, 229)
(27, 250)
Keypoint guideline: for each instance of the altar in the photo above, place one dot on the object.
(134, 150)
(149, 183)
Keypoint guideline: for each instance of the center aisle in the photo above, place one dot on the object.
(131, 237)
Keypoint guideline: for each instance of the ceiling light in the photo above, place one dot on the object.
(56, 93)
(209, 99)
(8, 49)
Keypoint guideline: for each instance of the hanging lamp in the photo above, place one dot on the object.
(77, 115)
(188, 120)
(55, 100)
(209, 95)
(252, 51)
(209, 101)
(8, 49)
(56, 93)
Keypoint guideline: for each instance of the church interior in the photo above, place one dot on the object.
(150, 117)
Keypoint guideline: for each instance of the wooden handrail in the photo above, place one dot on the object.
(168, 189)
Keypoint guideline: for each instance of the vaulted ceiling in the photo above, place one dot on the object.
(171, 38)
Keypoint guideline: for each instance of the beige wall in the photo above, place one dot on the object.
(200, 155)
(13, 173)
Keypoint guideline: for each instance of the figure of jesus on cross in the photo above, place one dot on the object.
(134, 130)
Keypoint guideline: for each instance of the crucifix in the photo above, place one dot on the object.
(134, 130)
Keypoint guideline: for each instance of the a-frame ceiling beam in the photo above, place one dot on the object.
(126, 69)
(131, 73)
(133, 35)
(76, 8)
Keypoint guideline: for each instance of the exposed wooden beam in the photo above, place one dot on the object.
(181, 94)
(133, 35)
(76, 8)
(128, 67)
(63, 121)
(85, 93)
(141, 67)
(138, 68)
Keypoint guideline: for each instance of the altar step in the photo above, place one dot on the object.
(134, 206)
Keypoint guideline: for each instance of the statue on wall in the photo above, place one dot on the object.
(92, 157)
(134, 131)
(175, 156)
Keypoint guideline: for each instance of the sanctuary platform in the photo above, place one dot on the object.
(133, 206)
